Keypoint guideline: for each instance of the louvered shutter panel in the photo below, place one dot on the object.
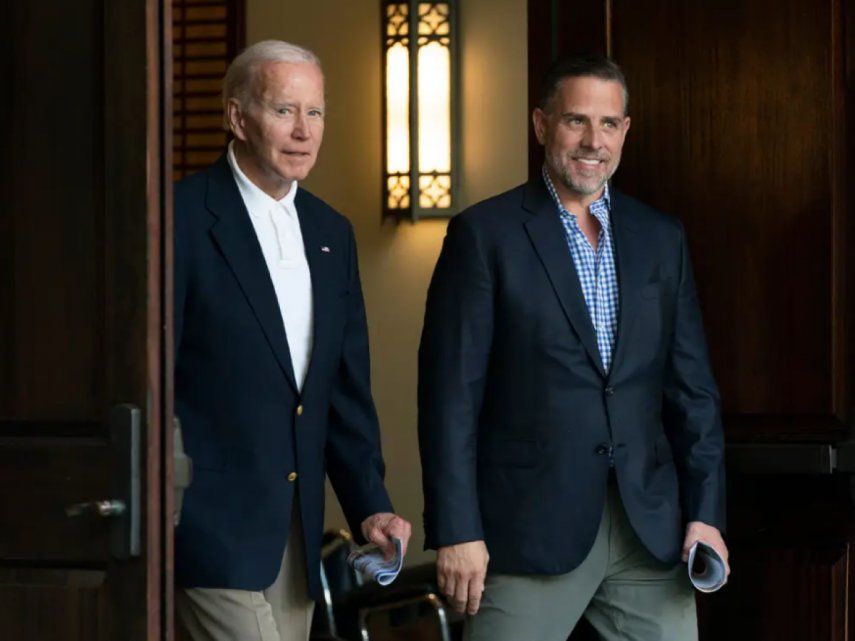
(206, 35)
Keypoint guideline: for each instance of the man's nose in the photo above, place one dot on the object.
(592, 137)
(301, 127)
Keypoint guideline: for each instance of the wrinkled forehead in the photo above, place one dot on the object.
(274, 78)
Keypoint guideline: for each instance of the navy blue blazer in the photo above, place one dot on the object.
(517, 419)
(237, 398)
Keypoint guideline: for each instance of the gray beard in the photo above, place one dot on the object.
(583, 189)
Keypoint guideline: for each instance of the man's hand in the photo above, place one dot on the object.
(460, 573)
(378, 528)
(698, 531)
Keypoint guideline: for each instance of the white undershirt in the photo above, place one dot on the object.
(278, 229)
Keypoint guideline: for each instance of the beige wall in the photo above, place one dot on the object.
(397, 259)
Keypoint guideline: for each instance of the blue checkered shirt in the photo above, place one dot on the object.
(596, 269)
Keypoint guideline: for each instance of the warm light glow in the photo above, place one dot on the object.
(434, 105)
(397, 109)
(435, 192)
(419, 105)
(398, 192)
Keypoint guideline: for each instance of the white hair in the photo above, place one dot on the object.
(240, 75)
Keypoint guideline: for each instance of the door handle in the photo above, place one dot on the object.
(99, 508)
(124, 423)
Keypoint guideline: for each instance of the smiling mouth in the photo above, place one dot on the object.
(591, 162)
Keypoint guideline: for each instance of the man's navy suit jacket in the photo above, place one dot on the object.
(517, 418)
(237, 398)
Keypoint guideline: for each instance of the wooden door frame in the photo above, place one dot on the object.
(160, 41)
(153, 95)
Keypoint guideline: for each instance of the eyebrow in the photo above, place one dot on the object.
(572, 114)
(285, 103)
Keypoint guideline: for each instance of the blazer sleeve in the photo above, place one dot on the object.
(453, 362)
(692, 408)
(354, 461)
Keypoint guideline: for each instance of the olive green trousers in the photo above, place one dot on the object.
(623, 591)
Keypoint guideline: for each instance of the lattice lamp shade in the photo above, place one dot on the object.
(420, 107)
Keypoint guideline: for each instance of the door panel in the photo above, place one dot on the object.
(69, 603)
(732, 129)
(82, 318)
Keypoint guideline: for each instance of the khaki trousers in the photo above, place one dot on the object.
(623, 591)
(282, 612)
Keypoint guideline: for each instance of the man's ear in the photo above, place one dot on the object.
(538, 118)
(235, 118)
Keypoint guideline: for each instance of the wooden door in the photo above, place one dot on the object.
(84, 240)
(742, 126)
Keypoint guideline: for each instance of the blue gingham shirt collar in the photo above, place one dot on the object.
(600, 208)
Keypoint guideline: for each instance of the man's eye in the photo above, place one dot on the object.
(610, 124)
(284, 110)
(317, 113)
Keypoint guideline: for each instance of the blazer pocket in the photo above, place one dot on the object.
(663, 450)
(514, 452)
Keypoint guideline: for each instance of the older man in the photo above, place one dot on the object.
(272, 372)
(568, 418)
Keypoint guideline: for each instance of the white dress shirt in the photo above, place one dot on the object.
(278, 229)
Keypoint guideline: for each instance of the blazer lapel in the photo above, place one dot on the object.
(548, 237)
(235, 236)
(631, 269)
(320, 262)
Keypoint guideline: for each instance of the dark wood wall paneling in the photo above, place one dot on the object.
(734, 117)
(743, 127)
(206, 35)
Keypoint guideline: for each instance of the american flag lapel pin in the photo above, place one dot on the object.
(325, 249)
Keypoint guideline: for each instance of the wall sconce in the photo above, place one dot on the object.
(420, 110)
